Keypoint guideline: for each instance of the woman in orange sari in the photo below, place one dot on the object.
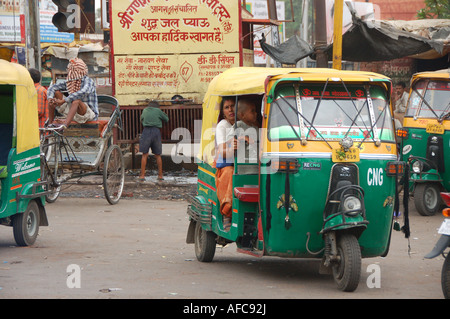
(226, 145)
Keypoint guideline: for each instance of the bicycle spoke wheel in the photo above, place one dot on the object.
(113, 174)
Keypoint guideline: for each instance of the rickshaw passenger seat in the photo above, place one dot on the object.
(247, 194)
(5, 142)
(91, 128)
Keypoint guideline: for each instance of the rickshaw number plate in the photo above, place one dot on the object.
(445, 227)
(339, 156)
(435, 128)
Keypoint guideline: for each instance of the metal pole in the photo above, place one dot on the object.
(337, 34)
(304, 34)
(33, 36)
(272, 7)
(320, 34)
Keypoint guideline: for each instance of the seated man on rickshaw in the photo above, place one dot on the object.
(81, 105)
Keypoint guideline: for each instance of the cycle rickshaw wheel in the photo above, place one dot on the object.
(113, 174)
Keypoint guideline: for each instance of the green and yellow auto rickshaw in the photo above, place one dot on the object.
(426, 139)
(324, 183)
(22, 192)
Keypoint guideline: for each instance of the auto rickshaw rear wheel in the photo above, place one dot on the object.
(26, 225)
(205, 243)
(427, 198)
(347, 270)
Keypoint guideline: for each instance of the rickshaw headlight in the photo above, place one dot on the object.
(417, 167)
(352, 205)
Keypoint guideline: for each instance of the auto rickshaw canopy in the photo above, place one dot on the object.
(26, 126)
(439, 74)
(253, 80)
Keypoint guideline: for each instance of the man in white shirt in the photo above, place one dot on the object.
(400, 101)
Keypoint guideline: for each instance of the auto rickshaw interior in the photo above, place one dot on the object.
(245, 165)
(6, 125)
(429, 99)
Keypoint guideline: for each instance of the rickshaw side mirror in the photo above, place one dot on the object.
(403, 133)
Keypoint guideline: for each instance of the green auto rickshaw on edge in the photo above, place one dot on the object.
(324, 184)
(426, 139)
(22, 191)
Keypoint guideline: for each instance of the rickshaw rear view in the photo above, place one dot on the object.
(22, 192)
(324, 182)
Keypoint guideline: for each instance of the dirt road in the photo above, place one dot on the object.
(137, 249)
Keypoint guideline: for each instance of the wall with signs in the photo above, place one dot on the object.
(165, 48)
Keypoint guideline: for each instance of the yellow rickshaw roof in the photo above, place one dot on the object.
(26, 126)
(440, 74)
(250, 80)
(15, 74)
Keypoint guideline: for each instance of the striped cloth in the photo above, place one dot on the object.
(76, 70)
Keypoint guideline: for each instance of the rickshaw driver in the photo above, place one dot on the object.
(226, 144)
(81, 105)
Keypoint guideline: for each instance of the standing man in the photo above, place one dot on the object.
(152, 119)
(42, 96)
(400, 101)
(81, 105)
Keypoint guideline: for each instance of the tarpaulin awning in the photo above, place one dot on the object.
(367, 41)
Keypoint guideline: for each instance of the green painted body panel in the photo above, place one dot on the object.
(309, 189)
(416, 145)
(23, 172)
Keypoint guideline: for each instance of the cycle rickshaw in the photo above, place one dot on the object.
(84, 150)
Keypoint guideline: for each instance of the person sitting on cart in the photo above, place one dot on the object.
(226, 144)
(81, 104)
(247, 131)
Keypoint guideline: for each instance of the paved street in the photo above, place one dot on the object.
(137, 249)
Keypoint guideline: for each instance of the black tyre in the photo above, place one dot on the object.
(347, 271)
(445, 278)
(26, 225)
(52, 176)
(427, 198)
(205, 244)
(113, 174)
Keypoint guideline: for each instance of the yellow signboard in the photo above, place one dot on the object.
(163, 48)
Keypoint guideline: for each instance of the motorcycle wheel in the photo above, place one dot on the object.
(445, 278)
(347, 271)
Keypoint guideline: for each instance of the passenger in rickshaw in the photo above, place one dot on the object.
(226, 145)
(247, 130)
(81, 104)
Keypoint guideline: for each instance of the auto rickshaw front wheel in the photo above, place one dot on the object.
(347, 270)
(205, 243)
(427, 199)
(26, 225)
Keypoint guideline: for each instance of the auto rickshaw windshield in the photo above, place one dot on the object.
(331, 114)
(429, 99)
